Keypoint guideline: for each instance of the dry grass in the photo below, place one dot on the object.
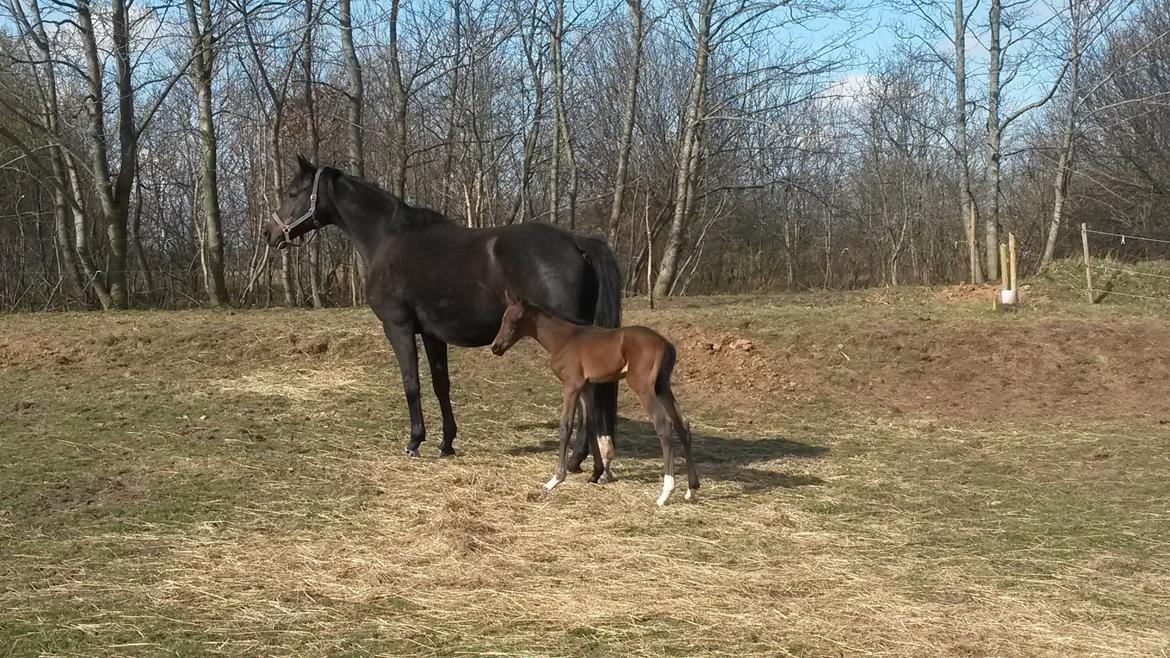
(204, 483)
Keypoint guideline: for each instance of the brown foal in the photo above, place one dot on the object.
(582, 356)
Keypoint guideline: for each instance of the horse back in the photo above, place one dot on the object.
(451, 281)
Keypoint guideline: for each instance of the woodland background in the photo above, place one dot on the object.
(720, 145)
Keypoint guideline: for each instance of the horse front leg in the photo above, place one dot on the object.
(437, 358)
(406, 351)
(568, 415)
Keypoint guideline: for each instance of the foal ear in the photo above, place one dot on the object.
(305, 165)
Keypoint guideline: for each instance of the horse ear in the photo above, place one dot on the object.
(305, 165)
(509, 297)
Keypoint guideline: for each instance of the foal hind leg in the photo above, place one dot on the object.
(581, 451)
(684, 436)
(660, 417)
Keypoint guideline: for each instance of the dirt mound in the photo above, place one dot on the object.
(968, 293)
(916, 359)
(184, 339)
(991, 369)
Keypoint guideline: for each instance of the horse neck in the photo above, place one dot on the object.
(550, 332)
(366, 221)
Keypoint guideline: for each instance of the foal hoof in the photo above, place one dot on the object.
(412, 452)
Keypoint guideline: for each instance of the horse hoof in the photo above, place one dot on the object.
(692, 494)
(412, 452)
(573, 467)
(446, 452)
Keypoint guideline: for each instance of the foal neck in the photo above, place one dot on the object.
(551, 332)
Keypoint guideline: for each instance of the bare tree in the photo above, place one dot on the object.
(202, 69)
(629, 114)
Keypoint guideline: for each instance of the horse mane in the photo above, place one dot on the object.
(367, 195)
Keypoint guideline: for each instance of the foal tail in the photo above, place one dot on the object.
(607, 313)
(662, 381)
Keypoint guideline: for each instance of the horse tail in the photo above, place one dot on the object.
(662, 380)
(607, 313)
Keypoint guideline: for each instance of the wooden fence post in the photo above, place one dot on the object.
(1088, 269)
(1012, 259)
(1003, 266)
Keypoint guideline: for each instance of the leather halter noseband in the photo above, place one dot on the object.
(310, 214)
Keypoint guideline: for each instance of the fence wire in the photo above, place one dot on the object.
(1126, 236)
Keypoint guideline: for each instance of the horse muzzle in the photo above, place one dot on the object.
(497, 349)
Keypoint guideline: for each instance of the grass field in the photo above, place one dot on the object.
(903, 475)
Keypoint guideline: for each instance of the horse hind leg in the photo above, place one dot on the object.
(440, 380)
(587, 435)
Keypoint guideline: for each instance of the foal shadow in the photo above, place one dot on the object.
(717, 457)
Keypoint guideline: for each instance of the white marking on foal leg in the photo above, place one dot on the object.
(691, 493)
(667, 487)
(548, 486)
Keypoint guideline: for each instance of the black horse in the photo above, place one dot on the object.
(430, 276)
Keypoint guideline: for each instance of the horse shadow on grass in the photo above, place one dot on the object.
(719, 458)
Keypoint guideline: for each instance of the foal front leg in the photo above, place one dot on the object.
(568, 415)
(406, 351)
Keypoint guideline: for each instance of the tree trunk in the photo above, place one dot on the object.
(558, 138)
(63, 231)
(63, 236)
(357, 160)
(991, 219)
(522, 208)
(966, 196)
(118, 214)
(136, 239)
(398, 172)
(315, 292)
(452, 105)
(628, 117)
(201, 73)
(689, 149)
(286, 273)
(81, 235)
(1067, 139)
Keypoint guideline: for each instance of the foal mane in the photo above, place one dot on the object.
(541, 309)
(368, 197)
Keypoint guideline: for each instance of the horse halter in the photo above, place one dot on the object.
(310, 214)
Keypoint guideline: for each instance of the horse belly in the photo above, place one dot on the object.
(466, 329)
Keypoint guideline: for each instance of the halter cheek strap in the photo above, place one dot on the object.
(310, 214)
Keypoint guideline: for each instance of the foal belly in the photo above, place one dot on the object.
(607, 376)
